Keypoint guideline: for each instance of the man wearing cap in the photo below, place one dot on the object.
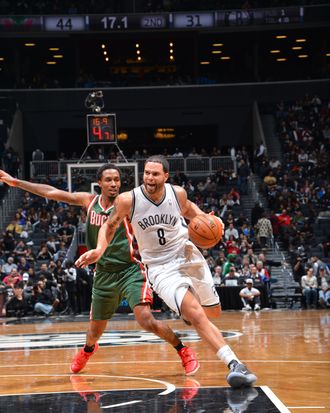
(250, 296)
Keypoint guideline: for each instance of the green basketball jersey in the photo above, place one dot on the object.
(119, 253)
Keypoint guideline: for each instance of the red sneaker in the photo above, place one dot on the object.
(190, 390)
(189, 361)
(80, 359)
(81, 385)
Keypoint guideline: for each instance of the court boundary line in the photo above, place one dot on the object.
(274, 399)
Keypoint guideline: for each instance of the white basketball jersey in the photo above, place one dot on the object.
(160, 230)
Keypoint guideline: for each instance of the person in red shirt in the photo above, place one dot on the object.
(232, 247)
(284, 219)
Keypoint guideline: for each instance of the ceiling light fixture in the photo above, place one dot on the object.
(281, 36)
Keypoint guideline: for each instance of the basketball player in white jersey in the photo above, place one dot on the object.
(176, 269)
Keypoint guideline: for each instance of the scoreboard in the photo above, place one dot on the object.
(152, 21)
(101, 128)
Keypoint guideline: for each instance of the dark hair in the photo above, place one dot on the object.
(159, 159)
(19, 285)
(105, 167)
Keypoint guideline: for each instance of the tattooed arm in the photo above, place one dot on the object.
(121, 209)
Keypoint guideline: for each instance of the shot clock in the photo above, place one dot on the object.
(101, 128)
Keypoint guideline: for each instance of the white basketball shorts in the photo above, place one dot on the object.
(188, 269)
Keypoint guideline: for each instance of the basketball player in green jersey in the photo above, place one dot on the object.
(118, 273)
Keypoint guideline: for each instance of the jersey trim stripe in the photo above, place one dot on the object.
(176, 197)
(145, 294)
(103, 209)
(91, 204)
(129, 236)
(150, 200)
(133, 204)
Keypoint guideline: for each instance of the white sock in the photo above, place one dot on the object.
(227, 355)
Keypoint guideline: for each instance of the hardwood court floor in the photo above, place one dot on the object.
(288, 350)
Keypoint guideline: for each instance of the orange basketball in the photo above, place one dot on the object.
(205, 231)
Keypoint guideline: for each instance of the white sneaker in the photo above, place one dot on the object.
(257, 307)
(247, 308)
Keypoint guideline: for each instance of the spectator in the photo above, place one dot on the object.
(9, 266)
(255, 276)
(61, 253)
(243, 173)
(38, 155)
(229, 263)
(65, 233)
(324, 288)
(250, 296)
(43, 298)
(13, 278)
(264, 231)
(23, 265)
(177, 153)
(217, 275)
(18, 305)
(231, 279)
(54, 225)
(251, 257)
(309, 288)
(256, 213)
(44, 273)
(231, 231)
(70, 278)
(317, 264)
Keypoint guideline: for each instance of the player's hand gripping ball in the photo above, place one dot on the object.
(205, 231)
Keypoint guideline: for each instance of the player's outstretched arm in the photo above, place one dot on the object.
(121, 209)
(47, 191)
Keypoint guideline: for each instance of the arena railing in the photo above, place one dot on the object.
(191, 166)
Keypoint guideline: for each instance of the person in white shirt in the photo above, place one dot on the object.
(250, 296)
(231, 231)
(309, 288)
(217, 275)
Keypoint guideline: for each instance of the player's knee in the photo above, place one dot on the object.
(149, 324)
(195, 314)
